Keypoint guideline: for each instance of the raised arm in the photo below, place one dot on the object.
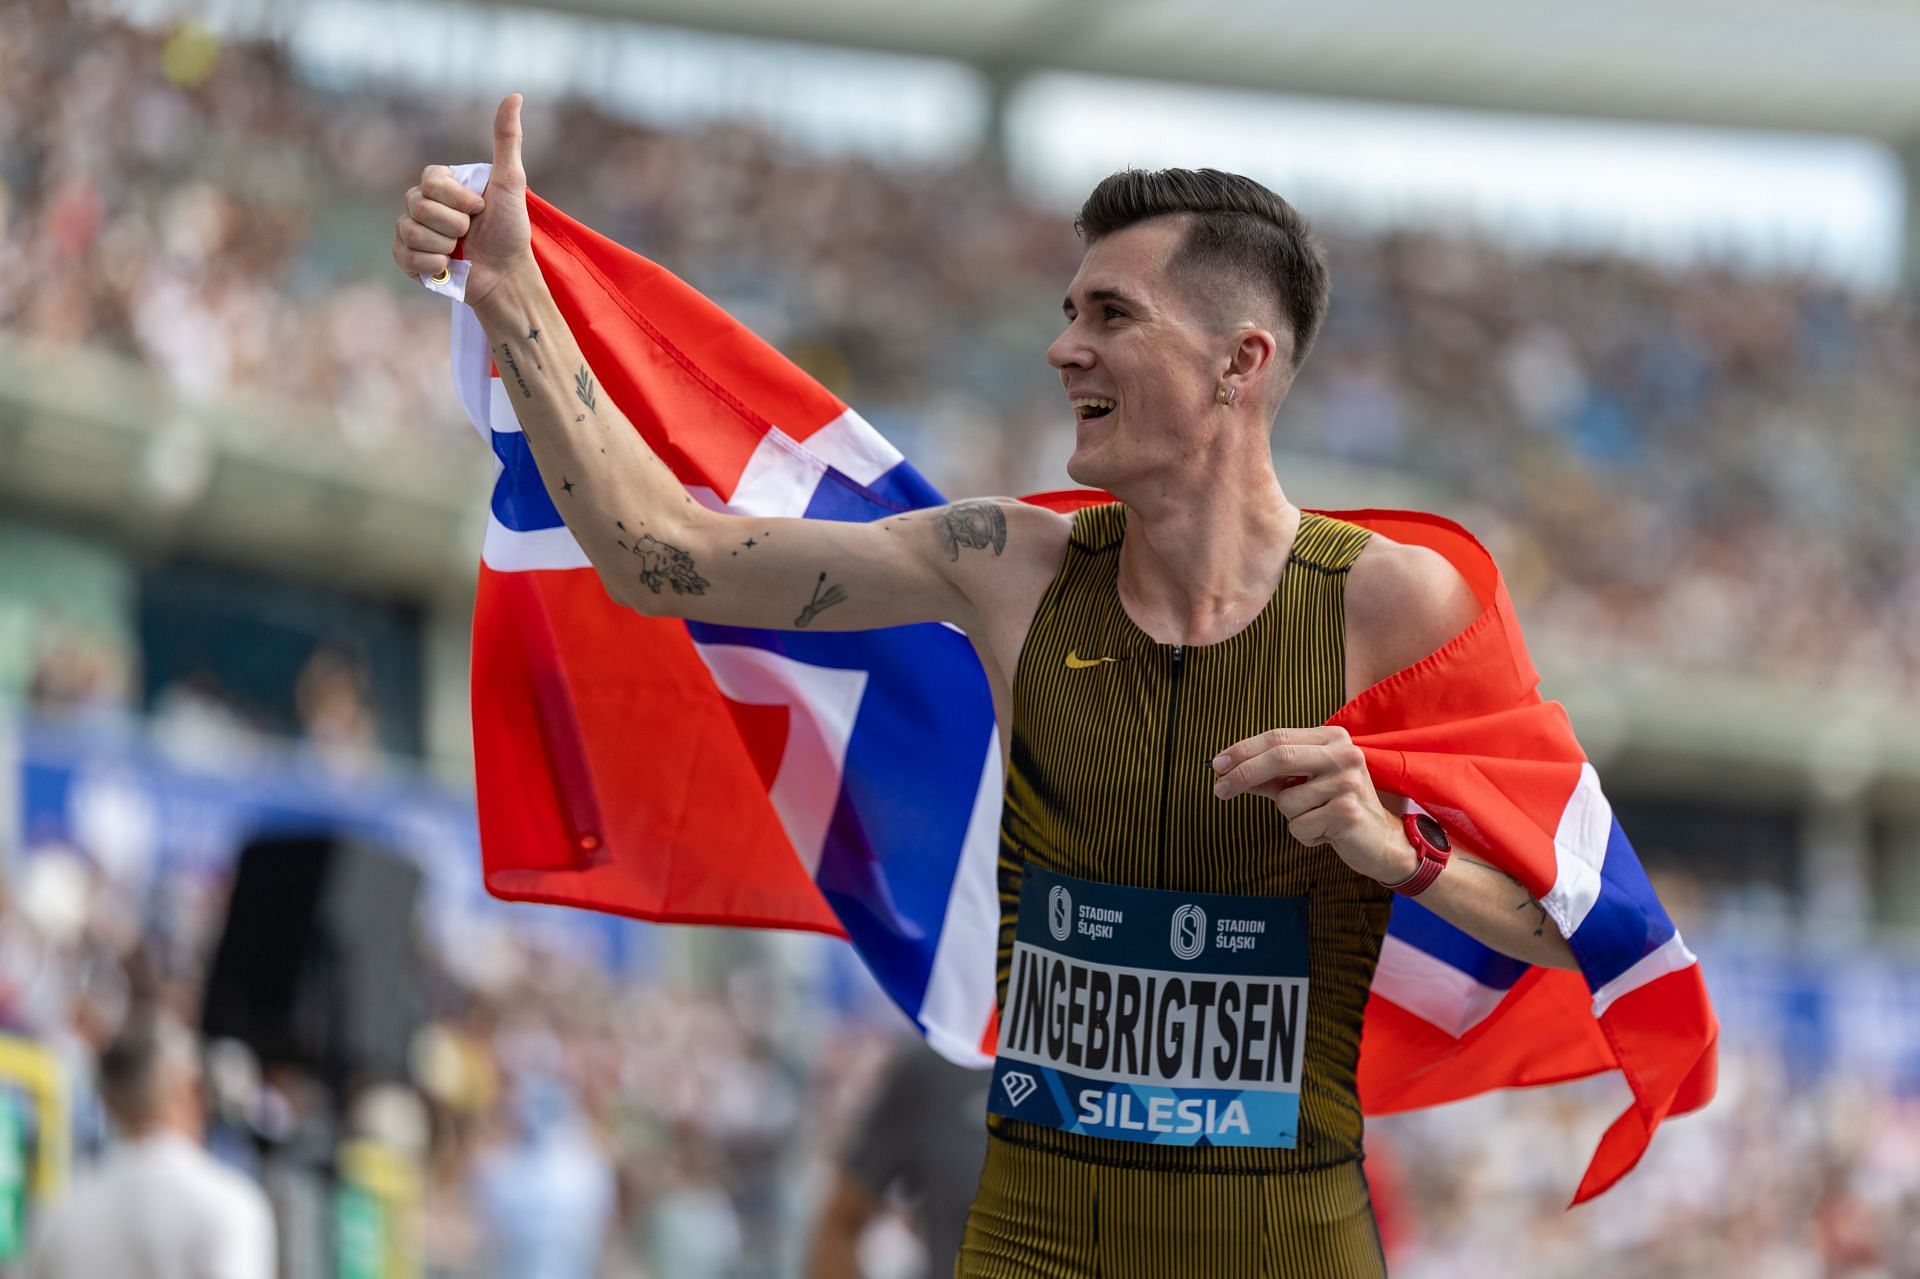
(655, 549)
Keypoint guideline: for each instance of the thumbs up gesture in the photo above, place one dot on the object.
(440, 213)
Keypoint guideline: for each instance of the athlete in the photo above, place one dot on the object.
(1162, 669)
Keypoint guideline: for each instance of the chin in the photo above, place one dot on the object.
(1095, 462)
(1089, 473)
(1084, 470)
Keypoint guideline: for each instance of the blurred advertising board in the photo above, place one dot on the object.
(154, 822)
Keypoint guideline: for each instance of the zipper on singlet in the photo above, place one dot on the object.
(1166, 774)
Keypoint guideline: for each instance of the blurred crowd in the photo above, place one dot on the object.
(1679, 466)
(683, 1121)
(1776, 1179)
(570, 1124)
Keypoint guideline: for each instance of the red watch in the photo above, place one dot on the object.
(1429, 839)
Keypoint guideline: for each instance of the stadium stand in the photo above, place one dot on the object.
(1702, 483)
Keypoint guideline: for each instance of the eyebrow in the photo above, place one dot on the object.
(1104, 295)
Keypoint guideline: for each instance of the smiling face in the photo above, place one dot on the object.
(1141, 359)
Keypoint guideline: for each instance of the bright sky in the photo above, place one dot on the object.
(1834, 205)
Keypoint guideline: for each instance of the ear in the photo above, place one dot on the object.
(1258, 357)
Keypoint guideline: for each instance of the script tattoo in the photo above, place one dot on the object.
(663, 564)
(824, 597)
(583, 387)
(975, 526)
(513, 367)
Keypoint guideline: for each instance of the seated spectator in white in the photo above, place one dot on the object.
(158, 1206)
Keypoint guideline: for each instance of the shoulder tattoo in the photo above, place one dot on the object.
(974, 526)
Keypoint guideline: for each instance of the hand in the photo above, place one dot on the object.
(440, 212)
(1319, 779)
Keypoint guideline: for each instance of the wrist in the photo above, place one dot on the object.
(1402, 858)
(1427, 840)
(517, 286)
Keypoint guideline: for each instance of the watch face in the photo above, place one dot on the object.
(1433, 832)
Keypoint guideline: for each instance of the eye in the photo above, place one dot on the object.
(1113, 311)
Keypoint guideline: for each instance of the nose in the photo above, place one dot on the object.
(1068, 352)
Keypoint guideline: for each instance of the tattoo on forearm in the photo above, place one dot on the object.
(513, 367)
(974, 526)
(1540, 924)
(824, 597)
(566, 485)
(663, 564)
(583, 387)
(533, 347)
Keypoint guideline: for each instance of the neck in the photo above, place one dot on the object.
(167, 1125)
(1204, 552)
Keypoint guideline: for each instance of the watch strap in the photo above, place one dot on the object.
(1433, 857)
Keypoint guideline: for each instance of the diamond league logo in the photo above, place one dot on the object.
(1059, 914)
(1019, 1085)
(1189, 931)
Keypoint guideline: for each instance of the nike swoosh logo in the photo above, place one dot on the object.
(1075, 662)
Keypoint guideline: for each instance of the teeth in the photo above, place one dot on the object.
(1083, 403)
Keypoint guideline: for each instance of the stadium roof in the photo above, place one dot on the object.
(1833, 65)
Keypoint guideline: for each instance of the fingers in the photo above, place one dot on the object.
(1303, 762)
(1266, 758)
(1301, 798)
(437, 215)
(419, 264)
(425, 239)
(437, 183)
(506, 137)
(1247, 748)
(1302, 753)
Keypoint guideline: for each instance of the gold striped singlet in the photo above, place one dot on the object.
(1110, 779)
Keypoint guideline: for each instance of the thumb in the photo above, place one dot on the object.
(506, 140)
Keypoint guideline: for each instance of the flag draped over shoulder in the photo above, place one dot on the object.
(850, 782)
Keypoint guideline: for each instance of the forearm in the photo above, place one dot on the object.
(1491, 906)
(659, 552)
(623, 505)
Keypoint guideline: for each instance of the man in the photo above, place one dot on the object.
(158, 1206)
(1156, 663)
(922, 1135)
(546, 1196)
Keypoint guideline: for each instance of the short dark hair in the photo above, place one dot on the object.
(135, 1067)
(1238, 227)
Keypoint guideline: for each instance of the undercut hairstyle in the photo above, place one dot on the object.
(1237, 228)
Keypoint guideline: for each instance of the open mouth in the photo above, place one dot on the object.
(1088, 407)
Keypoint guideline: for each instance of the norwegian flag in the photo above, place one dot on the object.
(850, 782)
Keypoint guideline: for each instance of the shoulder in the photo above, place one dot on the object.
(1403, 602)
(216, 1185)
(236, 1219)
(1014, 534)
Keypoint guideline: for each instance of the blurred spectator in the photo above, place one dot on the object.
(194, 719)
(158, 1207)
(920, 1144)
(693, 1228)
(336, 714)
(545, 1196)
(77, 676)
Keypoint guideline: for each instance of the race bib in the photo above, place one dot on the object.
(1178, 1018)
